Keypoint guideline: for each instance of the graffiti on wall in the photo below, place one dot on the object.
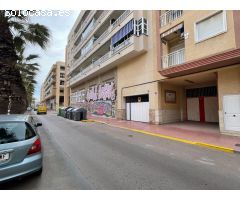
(99, 99)
(102, 92)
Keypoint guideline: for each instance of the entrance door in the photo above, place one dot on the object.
(231, 109)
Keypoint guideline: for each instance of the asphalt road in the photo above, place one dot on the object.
(81, 155)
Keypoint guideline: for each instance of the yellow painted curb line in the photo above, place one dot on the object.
(88, 120)
(201, 144)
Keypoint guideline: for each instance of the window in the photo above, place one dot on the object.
(61, 82)
(123, 34)
(15, 131)
(88, 46)
(61, 75)
(141, 27)
(88, 29)
(211, 26)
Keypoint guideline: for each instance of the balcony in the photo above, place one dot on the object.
(84, 39)
(106, 35)
(121, 18)
(84, 24)
(128, 49)
(174, 58)
(170, 16)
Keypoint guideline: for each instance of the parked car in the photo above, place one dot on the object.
(41, 109)
(20, 147)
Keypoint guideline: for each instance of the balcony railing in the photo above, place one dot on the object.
(121, 18)
(174, 58)
(89, 69)
(122, 45)
(104, 13)
(170, 16)
(84, 24)
(116, 23)
(102, 59)
(104, 35)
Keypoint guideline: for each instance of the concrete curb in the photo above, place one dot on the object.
(201, 144)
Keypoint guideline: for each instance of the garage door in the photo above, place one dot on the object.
(136, 110)
(202, 104)
(231, 109)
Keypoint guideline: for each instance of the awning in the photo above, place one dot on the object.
(179, 26)
(122, 32)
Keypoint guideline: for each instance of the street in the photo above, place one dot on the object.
(87, 155)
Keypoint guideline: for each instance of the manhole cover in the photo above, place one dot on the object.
(237, 145)
(130, 135)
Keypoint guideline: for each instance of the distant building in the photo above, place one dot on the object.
(52, 89)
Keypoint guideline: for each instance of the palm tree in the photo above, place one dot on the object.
(28, 70)
(15, 33)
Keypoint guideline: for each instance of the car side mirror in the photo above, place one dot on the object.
(38, 124)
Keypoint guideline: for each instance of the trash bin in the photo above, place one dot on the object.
(79, 114)
(62, 111)
(69, 113)
(65, 111)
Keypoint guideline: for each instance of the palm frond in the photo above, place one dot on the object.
(37, 34)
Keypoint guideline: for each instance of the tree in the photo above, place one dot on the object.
(28, 70)
(15, 33)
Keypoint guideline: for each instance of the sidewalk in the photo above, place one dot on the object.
(188, 132)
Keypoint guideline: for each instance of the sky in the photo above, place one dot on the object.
(59, 27)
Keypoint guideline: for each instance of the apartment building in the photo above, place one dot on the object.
(200, 56)
(156, 66)
(110, 59)
(52, 90)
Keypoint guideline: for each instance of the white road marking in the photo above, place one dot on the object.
(206, 162)
(148, 146)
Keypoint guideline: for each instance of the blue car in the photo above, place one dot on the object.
(20, 147)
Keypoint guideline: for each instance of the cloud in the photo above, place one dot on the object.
(60, 27)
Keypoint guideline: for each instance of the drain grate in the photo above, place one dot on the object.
(237, 145)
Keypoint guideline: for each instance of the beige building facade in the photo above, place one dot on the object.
(156, 66)
(102, 47)
(52, 90)
(200, 59)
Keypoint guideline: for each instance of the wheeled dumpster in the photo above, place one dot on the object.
(79, 114)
